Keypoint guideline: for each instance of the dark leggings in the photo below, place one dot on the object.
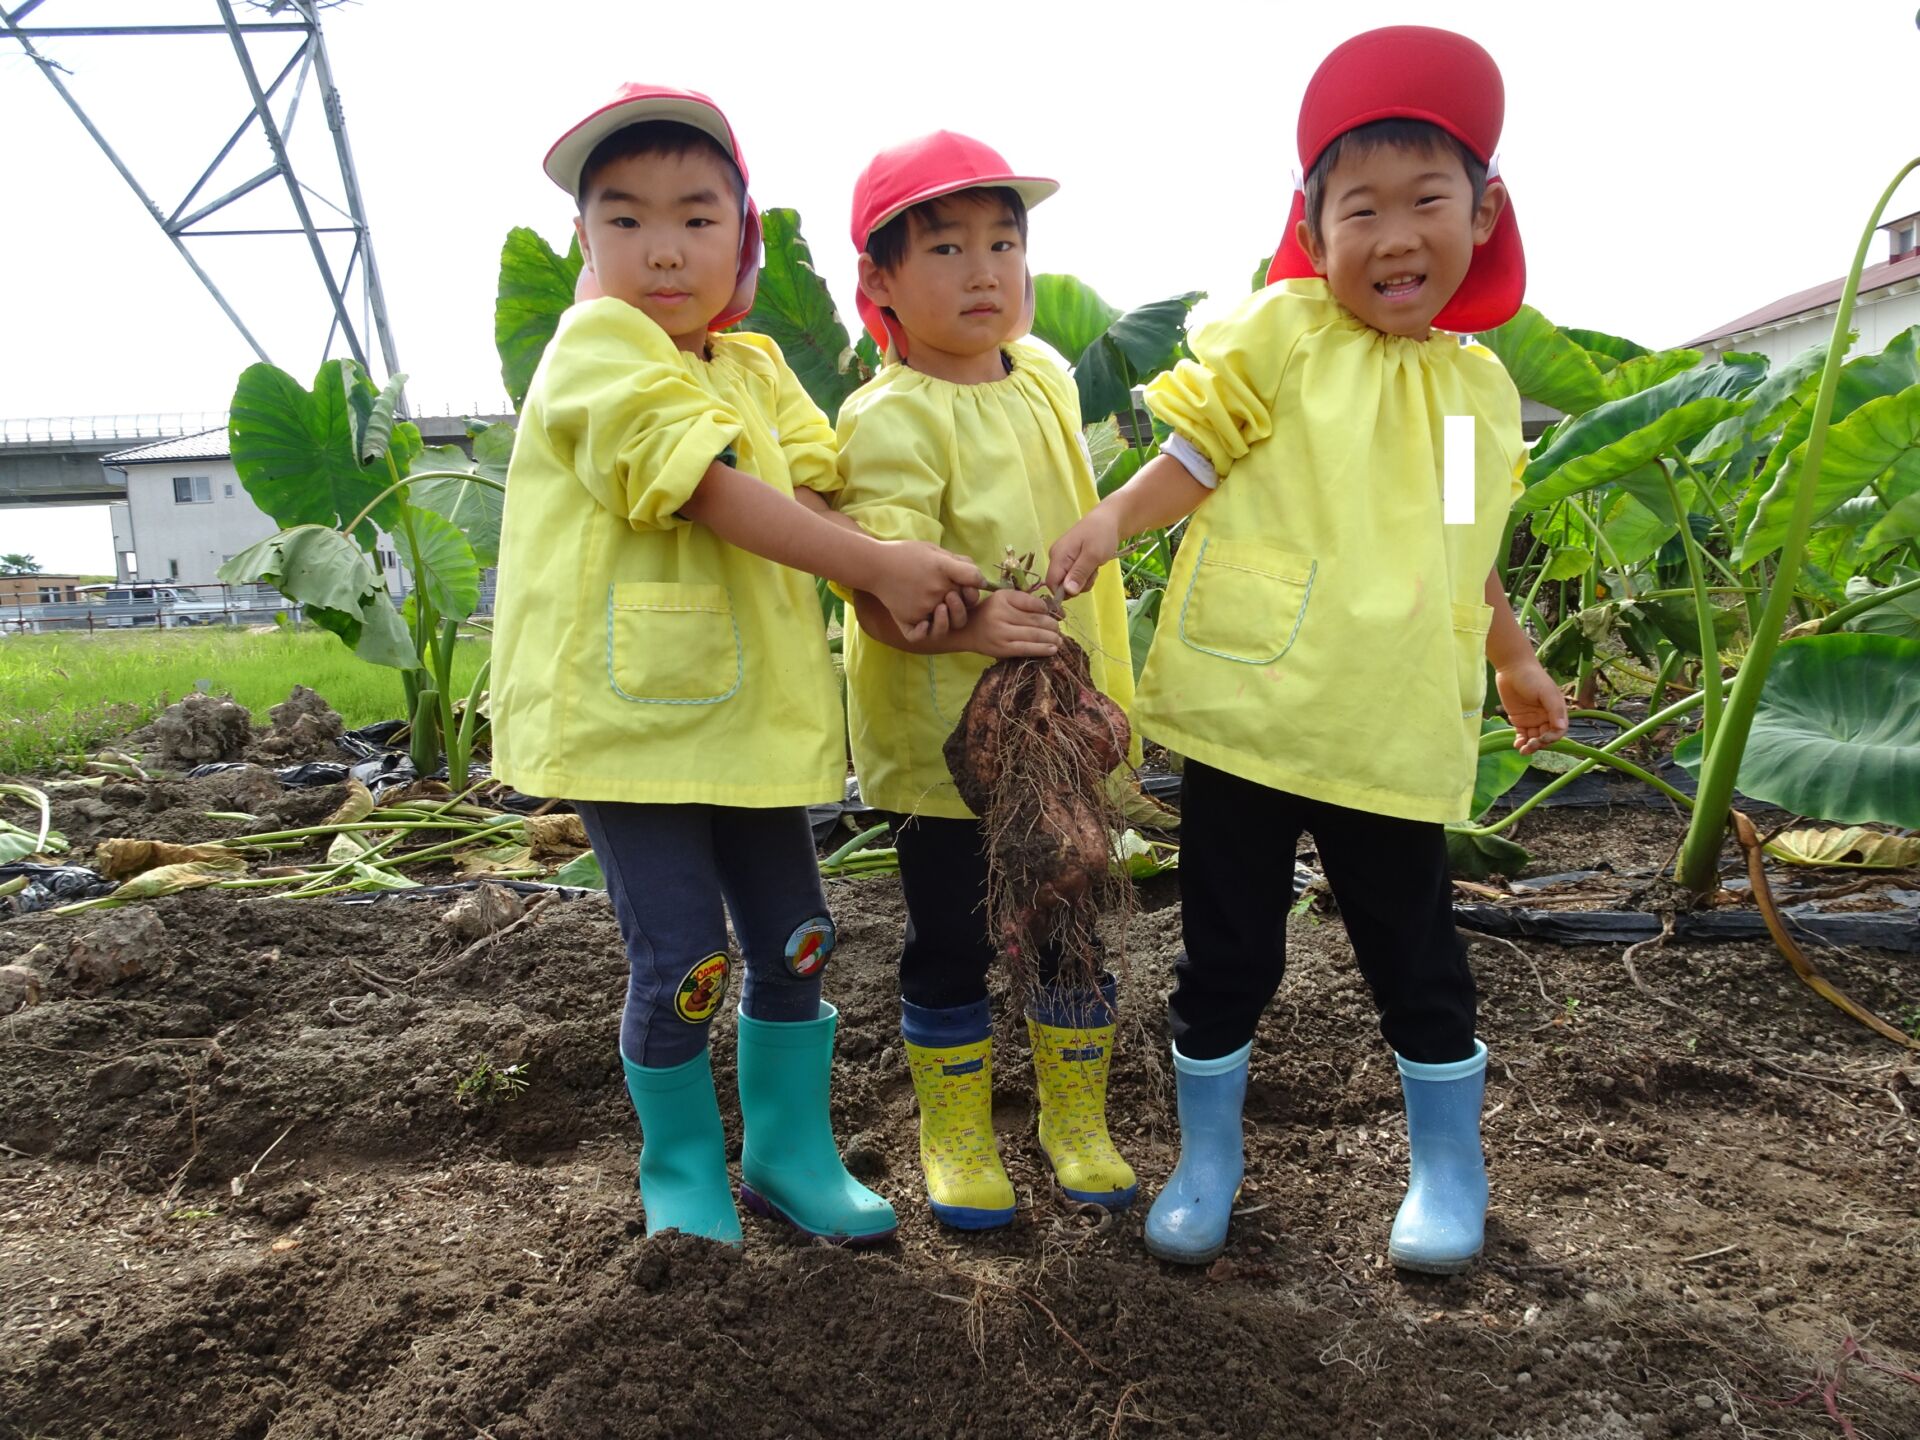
(675, 873)
(1389, 877)
(947, 952)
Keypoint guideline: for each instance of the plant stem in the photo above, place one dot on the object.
(1700, 854)
(400, 484)
(1710, 680)
(1865, 603)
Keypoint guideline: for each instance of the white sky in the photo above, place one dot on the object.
(1672, 164)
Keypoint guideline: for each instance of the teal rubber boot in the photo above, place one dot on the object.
(790, 1167)
(1188, 1222)
(683, 1150)
(1442, 1222)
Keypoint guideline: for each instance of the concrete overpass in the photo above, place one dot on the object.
(56, 460)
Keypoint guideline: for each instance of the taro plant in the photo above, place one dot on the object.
(336, 468)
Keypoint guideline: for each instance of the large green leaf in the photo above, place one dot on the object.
(1633, 530)
(1836, 735)
(320, 569)
(295, 449)
(441, 562)
(1481, 857)
(1545, 363)
(1150, 335)
(1902, 522)
(475, 509)
(1877, 445)
(1607, 350)
(1143, 618)
(1069, 315)
(1622, 435)
(1868, 377)
(792, 306)
(1643, 372)
(1769, 405)
(535, 289)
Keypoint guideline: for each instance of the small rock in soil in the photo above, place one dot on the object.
(481, 912)
(120, 947)
(20, 986)
(201, 729)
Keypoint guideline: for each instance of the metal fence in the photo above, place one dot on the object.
(214, 605)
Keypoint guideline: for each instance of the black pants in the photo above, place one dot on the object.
(947, 952)
(1389, 877)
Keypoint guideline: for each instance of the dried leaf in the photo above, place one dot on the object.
(494, 858)
(170, 880)
(355, 808)
(119, 859)
(1856, 847)
(347, 847)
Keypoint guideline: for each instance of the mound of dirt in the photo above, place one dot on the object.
(305, 727)
(257, 1190)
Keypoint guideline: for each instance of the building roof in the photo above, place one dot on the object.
(203, 445)
(1814, 298)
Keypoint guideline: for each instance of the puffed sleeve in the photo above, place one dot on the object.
(617, 401)
(1222, 399)
(806, 437)
(894, 455)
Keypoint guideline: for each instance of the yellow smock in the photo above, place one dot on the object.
(636, 655)
(978, 469)
(1323, 632)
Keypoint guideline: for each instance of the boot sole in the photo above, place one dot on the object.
(1186, 1257)
(766, 1209)
(1431, 1267)
(968, 1217)
(1115, 1200)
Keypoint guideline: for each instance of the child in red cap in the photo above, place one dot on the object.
(660, 660)
(1349, 466)
(971, 440)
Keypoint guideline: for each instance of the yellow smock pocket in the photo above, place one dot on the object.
(1470, 624)
(670, 644)
(1245, 601)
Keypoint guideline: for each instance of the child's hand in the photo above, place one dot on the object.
(1078, 555)
(1012, 622)
(1534, 704)
(919, 582)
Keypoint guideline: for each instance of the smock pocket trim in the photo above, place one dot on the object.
(1471, 621)
(672, 644)
(1246, 602)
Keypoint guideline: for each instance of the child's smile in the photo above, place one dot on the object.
(1398, 229)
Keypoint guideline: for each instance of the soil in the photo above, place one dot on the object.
(244, 1193)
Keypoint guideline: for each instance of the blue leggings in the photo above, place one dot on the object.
(675, 873)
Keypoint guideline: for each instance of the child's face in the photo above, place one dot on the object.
(1397, 232)
(960, 289)
(662, 232)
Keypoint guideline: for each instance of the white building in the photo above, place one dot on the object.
(1888, 303)
(186, 513)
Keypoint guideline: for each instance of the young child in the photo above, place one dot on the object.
(1321, 660)
(660, 659)
(970, 440)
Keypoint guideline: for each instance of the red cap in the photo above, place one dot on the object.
(915, 172)
(633, 104)
(1412, 72)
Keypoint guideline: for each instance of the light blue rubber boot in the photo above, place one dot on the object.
(683, 1151)
(1188, 1222)
(1442, 1222)
(790, 1167)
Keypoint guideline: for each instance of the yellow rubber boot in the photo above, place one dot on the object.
(950, 1053)
(1071, 1055)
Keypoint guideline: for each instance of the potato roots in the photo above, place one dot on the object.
(1031, 757)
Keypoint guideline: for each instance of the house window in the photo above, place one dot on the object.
(226, 490)
(173, 569)
(192, 490)
(129, 564)
(49, 594)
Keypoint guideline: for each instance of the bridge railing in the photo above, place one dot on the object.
(67, 429)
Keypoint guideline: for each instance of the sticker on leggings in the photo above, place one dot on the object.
(699, 993)
(809, 947)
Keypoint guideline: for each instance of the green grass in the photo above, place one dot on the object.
(65, 695)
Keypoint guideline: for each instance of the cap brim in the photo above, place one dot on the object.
(568, 157)
(1495, 284)
(1031, 189)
